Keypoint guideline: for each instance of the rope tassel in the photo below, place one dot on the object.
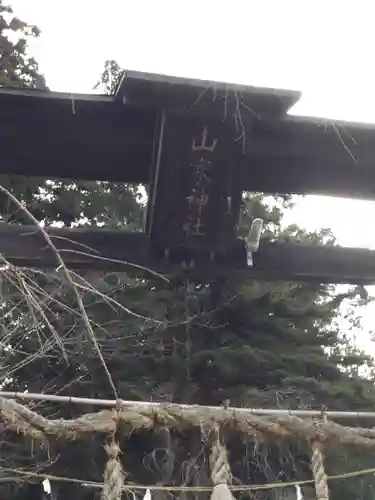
(317, 462)
(220, 470)
(320, 477)
(113, 475)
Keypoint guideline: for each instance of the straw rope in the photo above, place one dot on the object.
(317, 462)
(113, 474)
(317, 465)
(19, 418)
(220, 470)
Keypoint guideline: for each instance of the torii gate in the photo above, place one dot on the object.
(198, 145)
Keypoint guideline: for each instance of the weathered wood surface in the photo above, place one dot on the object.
(61, 135)
(309, 155)
(219, 99)
(196, 190)
(112, 138)
(103, 249)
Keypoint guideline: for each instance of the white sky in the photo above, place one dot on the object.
(326, 48)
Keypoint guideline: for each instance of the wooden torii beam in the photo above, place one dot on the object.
(169, 132)
(103, 137)
(121, 251)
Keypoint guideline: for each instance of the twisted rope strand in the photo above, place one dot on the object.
(114, 476)
(320, 477)
(220, 470)
(317, 463)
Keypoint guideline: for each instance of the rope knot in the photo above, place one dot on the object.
(113, 450)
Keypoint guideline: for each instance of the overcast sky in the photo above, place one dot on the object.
(326, 48)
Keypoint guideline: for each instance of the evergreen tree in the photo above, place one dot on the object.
(256, 344)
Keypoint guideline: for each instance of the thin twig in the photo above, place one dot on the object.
(69, 279)
(346, 147)
(91, 289)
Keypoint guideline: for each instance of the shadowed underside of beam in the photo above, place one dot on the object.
(110, 250)
(111, 137)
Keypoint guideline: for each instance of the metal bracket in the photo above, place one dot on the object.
(252, 240)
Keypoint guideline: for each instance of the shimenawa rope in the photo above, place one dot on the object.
(220, 470)
(19, 418)
(114, 476)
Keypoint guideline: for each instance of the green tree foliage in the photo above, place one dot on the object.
(17, 68)
(256, 344)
